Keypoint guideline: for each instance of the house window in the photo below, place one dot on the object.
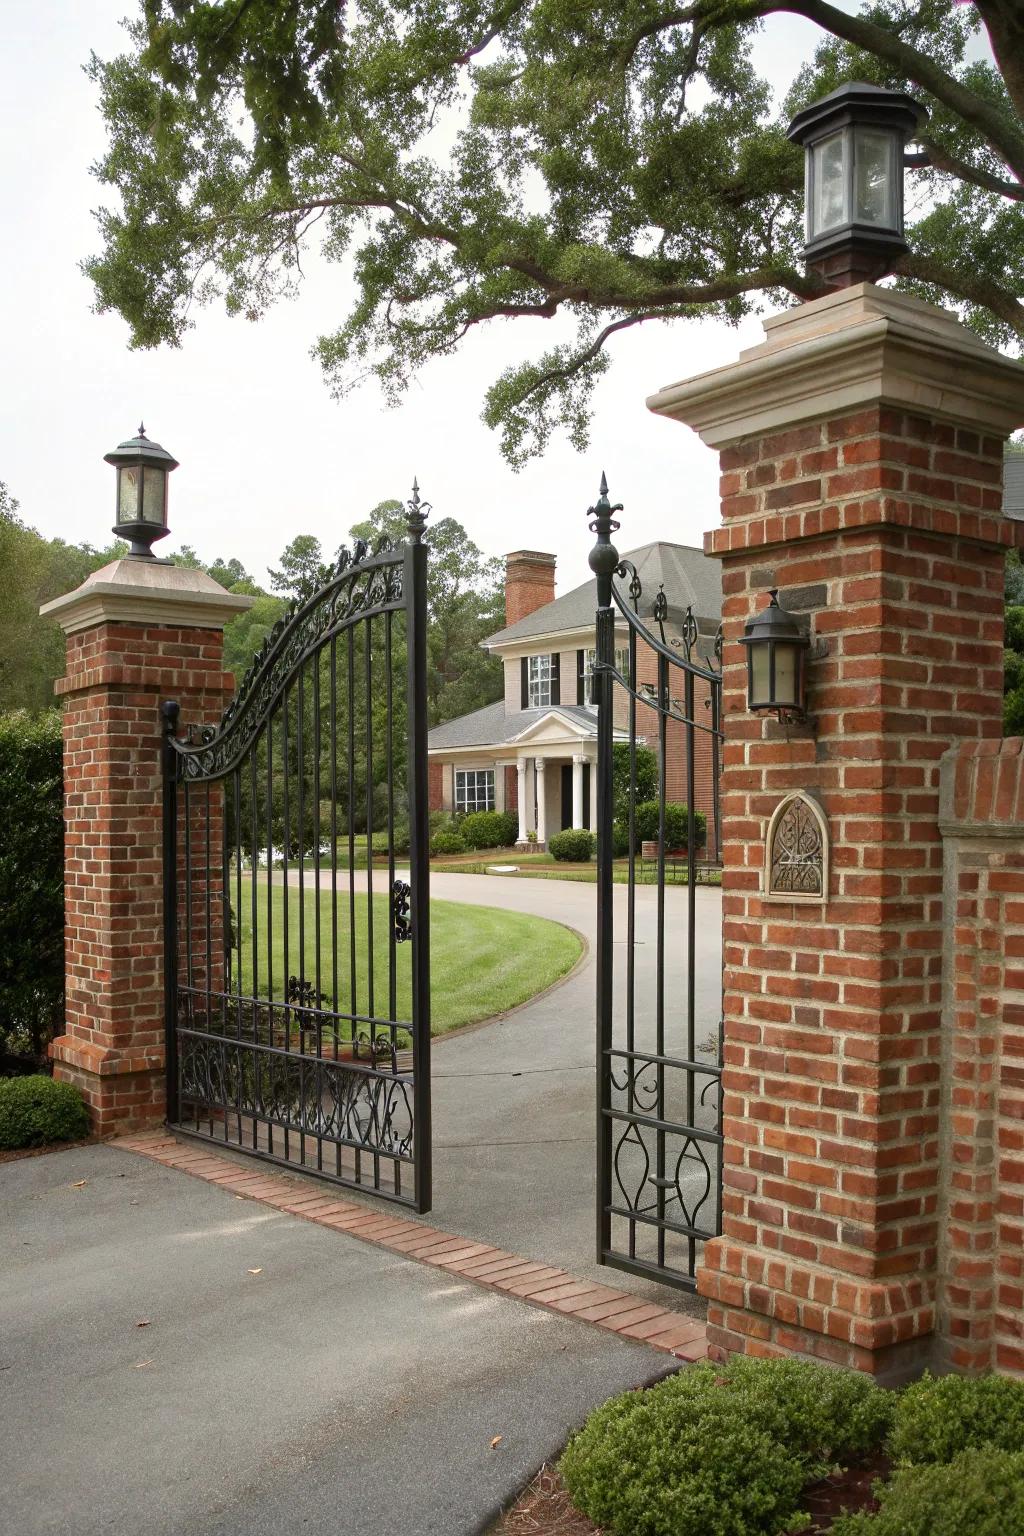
(539, 678)
(474, 789)
(621, 666)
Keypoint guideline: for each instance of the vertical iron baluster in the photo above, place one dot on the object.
(275, 1066)
(263, 1061)
(603, 561)
(169, 711)
(370, 957)
(300, 1013)
(240, 1056)
(414, 590)
(663, 709)
(208, 916)
(317, 1001)
(353, 986)
(334, 867)
(389, 755)
(691, 918)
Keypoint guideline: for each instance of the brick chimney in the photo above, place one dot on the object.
(529, 583)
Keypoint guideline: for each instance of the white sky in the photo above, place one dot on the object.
(265, 452)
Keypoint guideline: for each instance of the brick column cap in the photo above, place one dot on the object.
(858, 346)
(981, 789)
(147, 592)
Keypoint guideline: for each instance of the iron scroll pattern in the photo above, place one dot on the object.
(363, 583)
(659, 1001)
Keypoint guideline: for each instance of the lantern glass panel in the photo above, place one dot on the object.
(873, 179)
(829, 184)
(153, 495)
(760, 677)
(128, 493)
(787, 664)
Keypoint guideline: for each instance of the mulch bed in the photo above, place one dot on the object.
(16, 1154)
(545, 1508)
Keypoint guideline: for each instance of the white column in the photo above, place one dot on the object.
(577, 792)
(521, 787)
(541, 816)
(593, 797)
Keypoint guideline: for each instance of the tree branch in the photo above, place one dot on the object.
(972, 288)
(1005, 26)
(943, 160)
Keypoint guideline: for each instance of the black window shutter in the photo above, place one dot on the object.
(556, 691)
(581, 677)
(524, 684)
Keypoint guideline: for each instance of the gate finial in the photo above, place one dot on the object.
(604, 557)
(418, 510)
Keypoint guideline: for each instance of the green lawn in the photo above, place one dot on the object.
(483, 961)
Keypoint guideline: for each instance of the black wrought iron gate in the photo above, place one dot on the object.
(297, 943)
(659, 1136)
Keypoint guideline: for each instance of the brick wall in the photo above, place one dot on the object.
(981, 1263)
(117, 674)
(833, 1014)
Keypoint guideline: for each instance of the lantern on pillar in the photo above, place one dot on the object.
(141, 507)
(853, 143)
(776, 661)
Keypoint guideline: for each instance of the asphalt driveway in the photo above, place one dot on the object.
(287, 1378)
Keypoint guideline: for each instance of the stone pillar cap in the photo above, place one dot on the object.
(859, 346)
(147, 592)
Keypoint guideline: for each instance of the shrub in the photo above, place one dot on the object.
(620, 839)
(447, 842)
(937, 1419)
(711, 1452)
(645, 784)
(31, 883)
(484, 829)
(676, 824)
(980, 1493)
(509, 828)
(35, 1110)
(574, 846)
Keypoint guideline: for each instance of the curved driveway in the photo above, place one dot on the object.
(514, 1099)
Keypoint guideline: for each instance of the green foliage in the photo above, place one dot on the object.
(620, 840)
(303, 569)
(645, 786)
(677, 825)
(937, 1419)
(488, 829)
(31, 883)
(573, 846)
(1013, 673)
(448, 842)
(36, 1110)
(608, 163)
(714, 1452)
(981, 1493)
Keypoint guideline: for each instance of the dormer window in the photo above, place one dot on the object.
(539, 680)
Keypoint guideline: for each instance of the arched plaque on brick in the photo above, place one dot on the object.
(796, 851)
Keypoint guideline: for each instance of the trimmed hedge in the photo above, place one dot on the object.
(35, 1110)
(677, 826)
(715, 1451)
(490, 829)
(573, 846)
(979, 1493)
(31, 883)
(936, 1420)
(448, 842)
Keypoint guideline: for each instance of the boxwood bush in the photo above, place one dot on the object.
(31, 884)
(448, 842)
(719, 1451)
(489, 829)
(676, 824)
(979, 1493)
(36, 1110)
(937, 1419)
(573, 846)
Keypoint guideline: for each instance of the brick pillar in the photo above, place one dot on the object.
(861, 449)
(137, 632)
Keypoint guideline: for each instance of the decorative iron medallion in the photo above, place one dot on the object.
(796, 856)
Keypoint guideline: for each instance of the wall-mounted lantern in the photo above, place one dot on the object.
(142, 468)
(777, 651)
(853, 143)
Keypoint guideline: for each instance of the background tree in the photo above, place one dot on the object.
(611, 163)
(303, 568)
(465, 603)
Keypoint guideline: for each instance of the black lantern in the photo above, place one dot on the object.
(853, 144)
(141, 509)
(776, 656)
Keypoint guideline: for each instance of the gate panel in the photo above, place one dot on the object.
(296, 885)
(659, 1006)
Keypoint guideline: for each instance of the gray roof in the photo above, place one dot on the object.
(491, 727)
(1013, 485)
(688, 576)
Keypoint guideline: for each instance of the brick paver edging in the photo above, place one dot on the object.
(539, 1284)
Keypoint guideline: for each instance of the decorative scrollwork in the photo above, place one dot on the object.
(303, 993)
(689, 632)
(360, 586)
(796, 857)
(401, 896)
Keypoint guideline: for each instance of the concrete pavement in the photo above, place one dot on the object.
(288, 1378)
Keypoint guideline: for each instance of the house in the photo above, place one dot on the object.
(534, 751)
